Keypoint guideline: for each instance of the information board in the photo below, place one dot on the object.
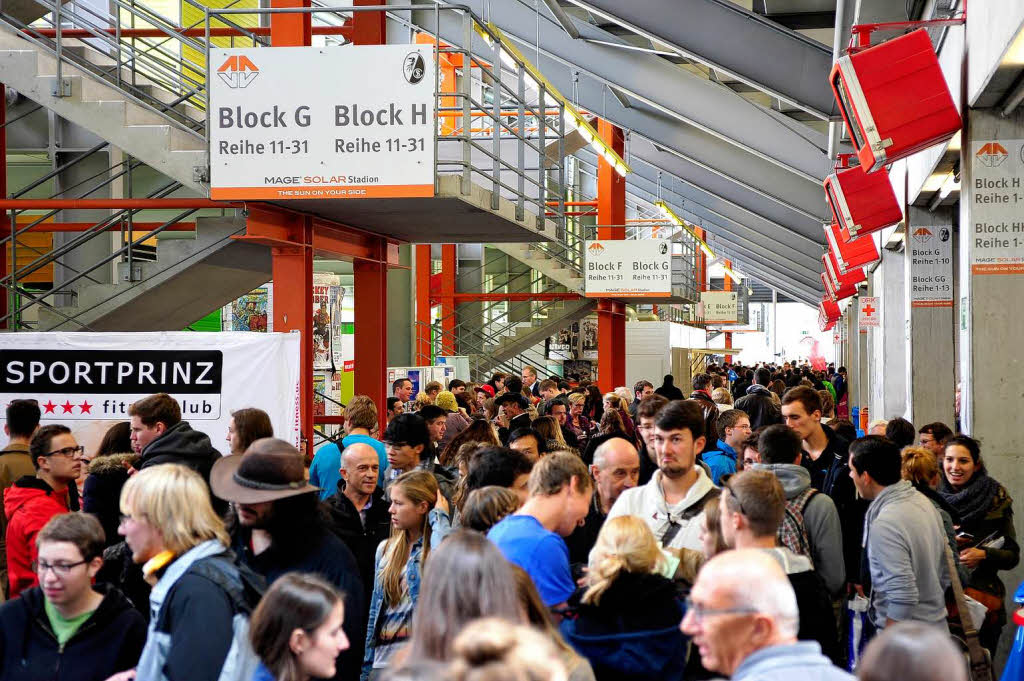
(720, 306)
(997, 207)
(322, 122)
(628, 268)
(870, 312)
(931, 266)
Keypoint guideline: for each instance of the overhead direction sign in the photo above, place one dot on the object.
(322, 123)
(628, 268)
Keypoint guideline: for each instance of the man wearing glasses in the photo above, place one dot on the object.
(34, 499)
(66, 623)
(742, 616)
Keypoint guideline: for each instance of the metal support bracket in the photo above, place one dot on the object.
(60, 87)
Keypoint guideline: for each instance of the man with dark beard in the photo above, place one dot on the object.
(280, 526)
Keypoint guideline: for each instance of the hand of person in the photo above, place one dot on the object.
(972, 557)
(442, 503)
(858, 589)
(128, 675)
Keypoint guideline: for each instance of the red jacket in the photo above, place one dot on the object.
(29, 504)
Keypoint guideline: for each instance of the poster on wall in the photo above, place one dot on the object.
(324, 326)
(578, 370)
(564, 344)
(89, 380)
(252, 311)
(588, 338)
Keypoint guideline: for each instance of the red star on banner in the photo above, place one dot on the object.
(67, 407)
(85, 407)
(50, 406)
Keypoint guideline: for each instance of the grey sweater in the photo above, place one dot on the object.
(821, 520)
(905, 545)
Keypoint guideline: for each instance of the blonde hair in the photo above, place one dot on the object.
(919, 465)
(420, 487)
(721, 396)
(577, 398)
(625, 544)
(174, 500)
(549, 429)
(615, 399)
(497, 650)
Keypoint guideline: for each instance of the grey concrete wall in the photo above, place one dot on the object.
(888, 349)
(991, 329)
(400, 310)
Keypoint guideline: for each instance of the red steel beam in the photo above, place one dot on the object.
(107, 204)
(215, 32)
(448, 267)
(611, 314)
(85, 226)
(4, 229)
(369, 28)
(513, 297)
(291, 30)
(422, 255)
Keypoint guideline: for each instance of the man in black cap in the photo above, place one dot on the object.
(515, 416)
(278, 526)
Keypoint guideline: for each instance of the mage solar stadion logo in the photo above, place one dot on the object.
(238, 71)
(595, 249)
(923, 235)
(992, 154)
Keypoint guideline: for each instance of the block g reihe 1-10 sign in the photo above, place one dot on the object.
(322, 123)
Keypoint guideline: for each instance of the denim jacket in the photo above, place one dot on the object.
(440, 527)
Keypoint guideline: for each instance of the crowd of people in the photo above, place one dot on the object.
(515, 529)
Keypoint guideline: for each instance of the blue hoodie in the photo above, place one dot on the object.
(721, 461)
(633, 633)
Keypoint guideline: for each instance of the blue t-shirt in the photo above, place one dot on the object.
(325, 471)
(543, 554)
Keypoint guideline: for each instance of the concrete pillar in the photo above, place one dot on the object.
(888, 349)
(991, 277)
(401, 340)
(930, 376)
(852, 356)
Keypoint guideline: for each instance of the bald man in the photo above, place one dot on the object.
(743, 618)
(358, 509)
(912, 651)
(616, 468)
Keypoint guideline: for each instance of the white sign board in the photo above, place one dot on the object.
(322, 122)
(997, 207)
(628, 268)
(869, 312)
(931, 266)
(89, 380)
(720, 306)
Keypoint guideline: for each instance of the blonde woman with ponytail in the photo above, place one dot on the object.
(628, 616)
(419, 521)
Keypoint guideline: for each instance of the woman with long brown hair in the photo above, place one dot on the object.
(417, 526)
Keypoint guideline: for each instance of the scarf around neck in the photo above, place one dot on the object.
(974, 500)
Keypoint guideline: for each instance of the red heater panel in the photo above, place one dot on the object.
(828, 314)
(861, 203)
(852, 254)
(894, 99)
(851, 277)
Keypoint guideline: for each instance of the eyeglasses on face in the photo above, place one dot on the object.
(60, 569)
(700, 612)
(68, 451)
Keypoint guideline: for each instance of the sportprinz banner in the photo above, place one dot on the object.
(89, 380)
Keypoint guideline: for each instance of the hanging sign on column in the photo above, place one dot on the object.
(869, 312)
(931, 266)
(997, 207)
(322, 122)
(628, 268)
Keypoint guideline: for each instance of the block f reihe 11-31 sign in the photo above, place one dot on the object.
(322, 123)
(629, 268)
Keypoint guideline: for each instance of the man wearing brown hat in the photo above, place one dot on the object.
(278, 526)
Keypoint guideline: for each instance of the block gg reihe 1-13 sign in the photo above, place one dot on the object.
(322, 123)
(628, 268)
